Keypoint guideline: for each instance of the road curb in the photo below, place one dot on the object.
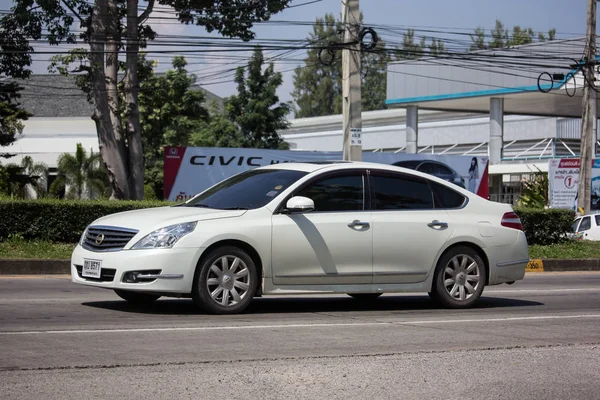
(34, 267)
(62, 267)
(551, 265)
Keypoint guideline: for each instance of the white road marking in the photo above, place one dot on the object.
(590, 289)
(286, 326)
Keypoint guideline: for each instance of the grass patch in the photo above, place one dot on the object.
(569, 250)
(37, 249)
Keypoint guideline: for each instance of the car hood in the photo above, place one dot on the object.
(153, 218)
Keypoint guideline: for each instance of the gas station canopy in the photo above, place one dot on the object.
(541, 79)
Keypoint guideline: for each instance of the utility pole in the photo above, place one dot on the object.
(589, 118)
(351, 82)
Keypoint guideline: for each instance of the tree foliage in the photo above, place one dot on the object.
(219, 131)
(172, 110)
(108, 27)
(174, 113)
(80, 176)
(11, 116)
(256, 108)
(318, 87)
(535, 191)
(19, 179)
(499, 37)
(412, 49)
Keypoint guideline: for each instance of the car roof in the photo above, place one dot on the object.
(341, 165)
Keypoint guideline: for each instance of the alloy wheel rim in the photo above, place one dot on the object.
(228, 280)
(462, 277)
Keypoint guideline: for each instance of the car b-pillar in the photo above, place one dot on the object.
(412, 129)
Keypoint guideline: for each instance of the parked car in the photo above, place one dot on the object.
(345, 227)
(434, 168)
(586, 227)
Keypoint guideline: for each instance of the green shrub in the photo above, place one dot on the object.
(545, 227)
(58, 220)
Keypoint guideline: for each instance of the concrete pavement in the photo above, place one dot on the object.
(538, 338)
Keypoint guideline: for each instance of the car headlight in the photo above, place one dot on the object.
(82, 238)
(166, 237)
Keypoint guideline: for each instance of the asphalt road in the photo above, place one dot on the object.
(539, 338)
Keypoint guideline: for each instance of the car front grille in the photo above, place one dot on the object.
(107, 238)
(106, 274)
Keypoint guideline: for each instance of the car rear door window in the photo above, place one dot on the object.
(337, 193)
(446, 197)
(392, 192)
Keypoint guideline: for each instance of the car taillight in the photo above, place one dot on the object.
(511, 220)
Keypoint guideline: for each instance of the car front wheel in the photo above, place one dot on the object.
(459, 278)
(225, 281)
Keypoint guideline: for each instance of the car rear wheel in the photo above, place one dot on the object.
(364, 296)
(225, 281)
(137, 298)
(459, 278)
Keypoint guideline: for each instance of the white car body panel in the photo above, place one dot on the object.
(593, 233)
(402, 243)
(321, 249)
(318, 252)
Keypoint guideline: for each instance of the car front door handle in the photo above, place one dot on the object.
(358, 223)
(437, 224)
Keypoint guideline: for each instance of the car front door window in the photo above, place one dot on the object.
(338, 193)
(586, 224)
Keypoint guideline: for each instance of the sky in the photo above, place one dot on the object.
(442, 15)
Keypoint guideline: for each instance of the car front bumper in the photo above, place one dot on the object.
(161, 270)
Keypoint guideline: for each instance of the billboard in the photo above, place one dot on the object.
(190, 170)
(563, 181)
(563, 178)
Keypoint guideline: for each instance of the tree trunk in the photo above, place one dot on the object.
(112, 70)
(111, 150)
(134, 133)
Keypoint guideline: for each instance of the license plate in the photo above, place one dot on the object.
(91, 268)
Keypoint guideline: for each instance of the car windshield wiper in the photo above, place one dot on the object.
(234, 208)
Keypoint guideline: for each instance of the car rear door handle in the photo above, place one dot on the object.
(358, 223)
(435, 223)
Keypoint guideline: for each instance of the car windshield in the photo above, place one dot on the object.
(247, 190)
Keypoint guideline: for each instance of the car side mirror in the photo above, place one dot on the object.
(300, 204)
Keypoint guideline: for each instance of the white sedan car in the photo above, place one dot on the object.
(341, 227)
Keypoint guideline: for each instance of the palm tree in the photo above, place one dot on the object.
(38, 171)
(27, 175)
(80, 173)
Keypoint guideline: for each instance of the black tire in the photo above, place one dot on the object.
(201, 293)
(461, 277)
(137, 298)
(365, 296)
